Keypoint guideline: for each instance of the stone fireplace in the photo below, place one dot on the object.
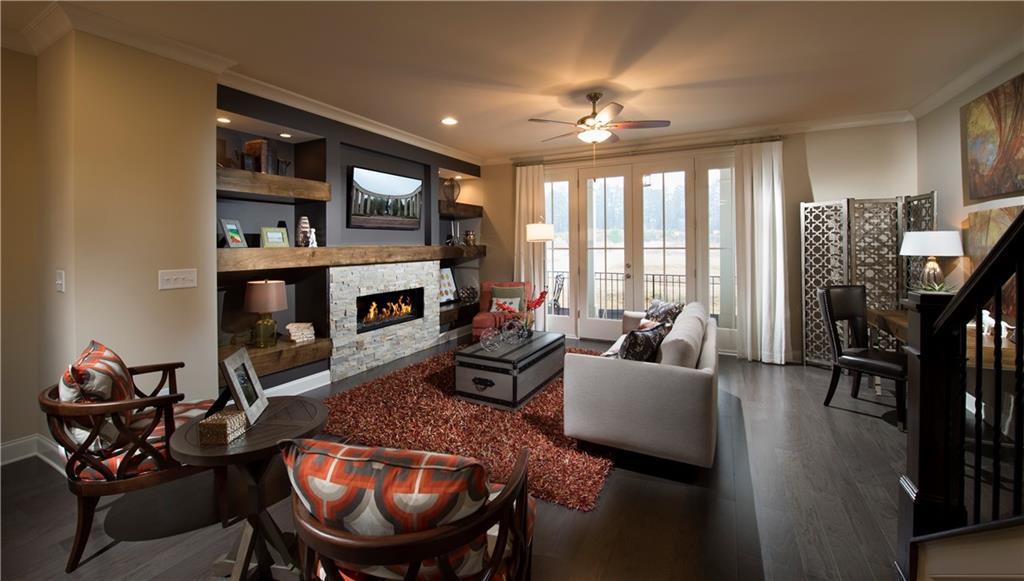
(402, 299)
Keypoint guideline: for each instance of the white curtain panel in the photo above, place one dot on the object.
(761, 254)
(529, 256)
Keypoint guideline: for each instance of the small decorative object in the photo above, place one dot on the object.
(233, 233)
(300, 332)
(274, 237)
(282, 166)
(526, 314)
(312, 237)
(932, 244)
(491, 339)
(244, 384)
(470, 238)
(384, 201)
(248, 162)
(447, 289)
(302, 231)
(992, 143)
(450, 189)
(265, 297)
(469, 294)
(515, 331)
(265, 152)
(222, 427)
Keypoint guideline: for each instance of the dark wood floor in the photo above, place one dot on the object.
(798, 491)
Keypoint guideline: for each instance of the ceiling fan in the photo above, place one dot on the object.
(596, 127)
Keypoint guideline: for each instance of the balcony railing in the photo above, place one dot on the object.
(609, 296)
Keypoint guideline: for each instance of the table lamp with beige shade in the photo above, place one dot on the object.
(540, 232)
(265, 297)
(932, 244)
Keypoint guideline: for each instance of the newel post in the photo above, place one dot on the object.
(930, 495)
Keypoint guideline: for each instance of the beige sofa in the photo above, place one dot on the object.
(664, 408)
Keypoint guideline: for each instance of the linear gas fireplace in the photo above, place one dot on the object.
(381, 310)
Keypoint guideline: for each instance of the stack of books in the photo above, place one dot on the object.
(300, 332)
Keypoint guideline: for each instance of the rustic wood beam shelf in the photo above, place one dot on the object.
(455, 211)
(249, 185)
(284, 355)
(231, 260)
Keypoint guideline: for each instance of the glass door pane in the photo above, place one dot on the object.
(557, 254)
(721, 247)
(606, 290)
(664, 236)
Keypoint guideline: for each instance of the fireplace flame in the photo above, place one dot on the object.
(391, 310)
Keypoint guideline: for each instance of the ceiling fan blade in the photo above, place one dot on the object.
(612, 139)
(610, 111)
(553, 121)
(559, 136)
(638, 124)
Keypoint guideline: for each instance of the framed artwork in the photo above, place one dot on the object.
(274, 237)
(383, 201)
(448, 291)
(233, 233)
(992, 143)
(244, 384)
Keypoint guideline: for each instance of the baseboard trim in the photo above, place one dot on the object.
(33, 445)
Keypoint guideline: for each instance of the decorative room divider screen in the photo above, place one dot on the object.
(853, 241)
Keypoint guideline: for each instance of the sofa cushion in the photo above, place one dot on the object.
(509, 292)
(663, 312)
(512, 302)
(613, 351)
(97, 375)
(683, 344)
(643, 345)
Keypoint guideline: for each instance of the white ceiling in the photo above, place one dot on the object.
(704, 66)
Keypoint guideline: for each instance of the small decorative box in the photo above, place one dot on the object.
(222, 427)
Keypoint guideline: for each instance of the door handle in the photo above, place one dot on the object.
(482, 384)
(629, 275)
(628, 265)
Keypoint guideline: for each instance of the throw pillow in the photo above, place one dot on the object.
(509, 292)
(663, 312)
(97, 375)
(643, 345)
(613, 351)
(514, 303)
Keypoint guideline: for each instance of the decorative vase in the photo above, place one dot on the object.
(302, 231)
(490, 339)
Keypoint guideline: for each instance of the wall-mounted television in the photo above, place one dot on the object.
(384, 201)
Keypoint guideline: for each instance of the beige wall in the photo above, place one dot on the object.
(19, 208)
(938, 153)
(495, 192)
(863, 162)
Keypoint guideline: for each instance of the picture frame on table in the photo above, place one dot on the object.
(244, 384)
(233, 233)
(271, 237)
(448, 290)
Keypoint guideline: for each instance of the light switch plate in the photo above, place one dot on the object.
(60, 281)
(181, 278)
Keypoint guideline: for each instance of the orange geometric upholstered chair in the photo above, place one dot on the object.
(486, 319)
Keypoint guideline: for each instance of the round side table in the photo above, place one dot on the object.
(286, 417)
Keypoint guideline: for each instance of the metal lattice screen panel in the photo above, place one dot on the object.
(823, 232)
(874, 255)
(918, 214)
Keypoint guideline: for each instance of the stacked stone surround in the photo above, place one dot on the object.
(357, 353)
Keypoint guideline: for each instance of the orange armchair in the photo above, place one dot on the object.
(485, 319)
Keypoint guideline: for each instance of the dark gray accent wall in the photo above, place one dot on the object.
(345, 146)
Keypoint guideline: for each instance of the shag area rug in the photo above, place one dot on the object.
(415, 408)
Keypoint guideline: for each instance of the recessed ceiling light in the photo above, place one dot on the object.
(223, 120)
(285, 135)
(458, 177)
(450, 121)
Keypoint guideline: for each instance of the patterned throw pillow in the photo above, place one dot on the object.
(643, 345)
(510, 302)
(383, 491)
(509, 292)
(98, 375)
(663, 312)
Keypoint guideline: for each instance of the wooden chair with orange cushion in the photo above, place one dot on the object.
(364, 513)
(486, 319)
(115, 435)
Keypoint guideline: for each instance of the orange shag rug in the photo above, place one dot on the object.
(414, 408)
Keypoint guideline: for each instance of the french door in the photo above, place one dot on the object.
(628, 234)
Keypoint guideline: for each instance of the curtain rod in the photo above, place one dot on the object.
(670, 149)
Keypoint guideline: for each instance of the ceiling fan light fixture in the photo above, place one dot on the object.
(594, 135)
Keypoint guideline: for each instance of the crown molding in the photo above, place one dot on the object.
(1003, 55)
(293, 99)
(718, 136)
(58, 19)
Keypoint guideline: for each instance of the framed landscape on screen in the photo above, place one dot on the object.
(244, 384)
(992, 143)
(384, 201)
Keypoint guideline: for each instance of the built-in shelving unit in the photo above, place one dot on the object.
(284, 355)
(232, 260)
(448, 210)
(240, 184)
(458, 313)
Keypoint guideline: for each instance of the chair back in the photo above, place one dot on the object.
(485, 292)
(844, 303)
(325, 546)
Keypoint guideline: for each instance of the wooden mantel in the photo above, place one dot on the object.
(235, 260)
